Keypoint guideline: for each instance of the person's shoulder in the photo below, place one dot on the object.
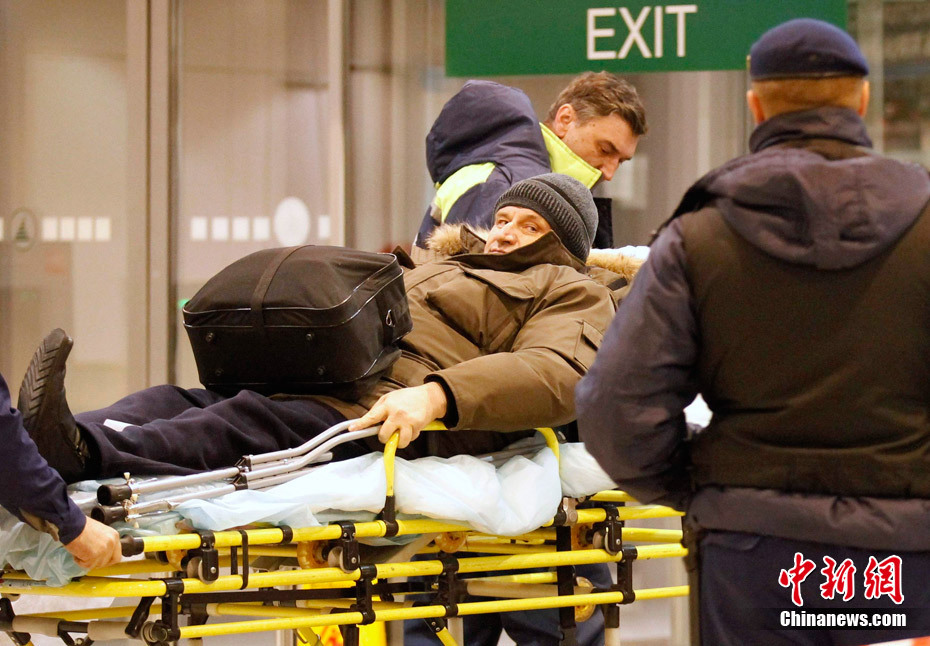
(671, 233)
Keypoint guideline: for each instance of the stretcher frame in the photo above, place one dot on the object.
(335, 583)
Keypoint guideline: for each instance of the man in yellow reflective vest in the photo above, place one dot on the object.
(487, 137)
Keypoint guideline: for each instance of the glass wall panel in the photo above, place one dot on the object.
(65, 246)
(895, 35)
(253, 142)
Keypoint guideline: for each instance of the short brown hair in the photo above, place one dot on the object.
(779, 96)
(599, 94)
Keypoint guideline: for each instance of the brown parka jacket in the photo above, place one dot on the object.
(507, 336)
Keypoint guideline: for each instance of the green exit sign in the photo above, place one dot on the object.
(510, 37)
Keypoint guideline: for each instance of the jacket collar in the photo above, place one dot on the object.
(467, 246)
(605, 266)
(563, 159)
(821, 123)
(548, 249)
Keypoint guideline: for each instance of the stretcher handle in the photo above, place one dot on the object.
(390, 450)
(552, 440)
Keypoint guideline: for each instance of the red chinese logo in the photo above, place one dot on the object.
(880, 578)
(794, 577)
(884, 578)
(838, 579)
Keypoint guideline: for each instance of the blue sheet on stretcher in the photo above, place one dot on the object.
(514, 498)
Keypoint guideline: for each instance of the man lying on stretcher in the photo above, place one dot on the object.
(502, 331)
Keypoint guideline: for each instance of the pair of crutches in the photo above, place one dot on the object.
(120, 502)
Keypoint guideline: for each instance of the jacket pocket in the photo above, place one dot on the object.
(589, 340)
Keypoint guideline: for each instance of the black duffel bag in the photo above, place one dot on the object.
(308, 319)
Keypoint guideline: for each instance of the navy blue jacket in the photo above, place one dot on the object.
(27, 482)
(485, 122)
(630, 404)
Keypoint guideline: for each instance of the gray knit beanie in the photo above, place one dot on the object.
(564, 202)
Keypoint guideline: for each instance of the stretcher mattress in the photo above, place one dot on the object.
(508, 500)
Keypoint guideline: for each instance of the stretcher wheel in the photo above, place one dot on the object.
(583, 613)
(205, 568)
(194, 569)
(581, 534)
(154, 634)
(334, 558)
(311, 554)
(450, 542)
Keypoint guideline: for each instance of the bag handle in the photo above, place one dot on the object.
(258, 296)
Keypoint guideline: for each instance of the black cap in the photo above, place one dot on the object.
(805, 48)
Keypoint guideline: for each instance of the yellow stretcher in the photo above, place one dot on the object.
(287, 578)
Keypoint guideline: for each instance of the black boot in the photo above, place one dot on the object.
(46, 415)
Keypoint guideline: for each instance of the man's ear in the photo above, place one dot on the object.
(864, 100)
(564, 117)
(755, 107)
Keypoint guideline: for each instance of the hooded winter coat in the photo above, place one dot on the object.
(783, 282)
(485, 139)
(507, 336)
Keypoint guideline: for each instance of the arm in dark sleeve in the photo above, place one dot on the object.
(29, 487)
(631, 403)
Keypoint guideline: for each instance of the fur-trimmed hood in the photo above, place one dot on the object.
(451, 239)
